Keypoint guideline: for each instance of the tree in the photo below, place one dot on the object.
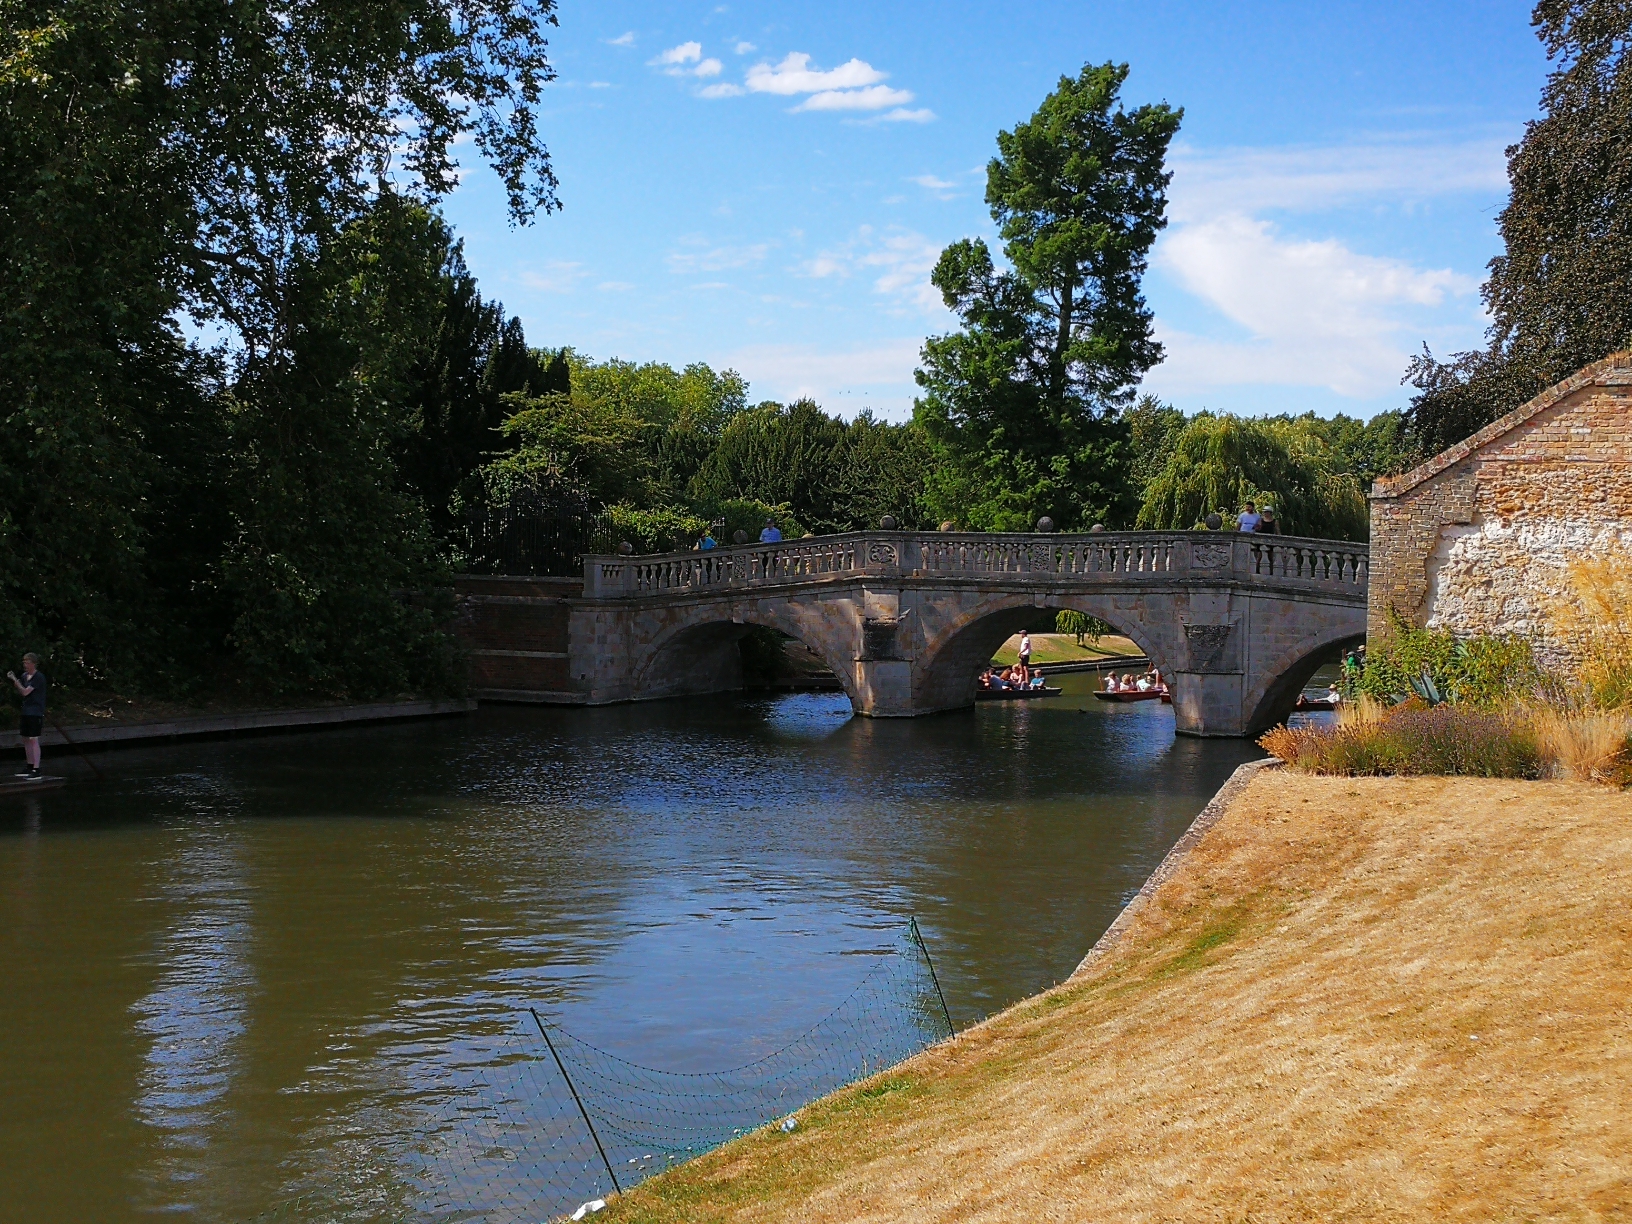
(1021, 405)
(189, 157)
(1080, 625)
(789, 455)
(1558, 294)
(1153, 428)
(1220, 462)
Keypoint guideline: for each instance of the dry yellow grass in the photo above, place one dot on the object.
(1358, 999)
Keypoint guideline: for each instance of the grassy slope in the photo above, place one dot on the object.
(1286, 1034)
(1062, 648)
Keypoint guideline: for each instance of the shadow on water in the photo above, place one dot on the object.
(239, 966)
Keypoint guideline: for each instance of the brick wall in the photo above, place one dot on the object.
(1480, 538)
(515, 630)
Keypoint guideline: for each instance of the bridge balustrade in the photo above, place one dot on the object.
(1122, 556)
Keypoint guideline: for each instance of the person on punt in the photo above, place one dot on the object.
(1111, 683)
(1037, 680)
(1128, 686)
(1143, 684)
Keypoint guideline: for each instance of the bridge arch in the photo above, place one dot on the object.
(1271, 699)
(950, 667)
(699, 652)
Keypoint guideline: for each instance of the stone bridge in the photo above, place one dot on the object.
(906, 620)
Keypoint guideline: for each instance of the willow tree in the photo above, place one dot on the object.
(1560, 294)
(1218, 463)
(1021, 405)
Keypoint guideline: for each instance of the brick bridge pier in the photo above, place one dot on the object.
(906, 620)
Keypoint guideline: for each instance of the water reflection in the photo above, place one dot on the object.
(247, 970)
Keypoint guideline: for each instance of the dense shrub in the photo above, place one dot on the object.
(1482, 670)
(1412, 740)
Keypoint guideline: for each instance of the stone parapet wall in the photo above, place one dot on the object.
(1481, 538)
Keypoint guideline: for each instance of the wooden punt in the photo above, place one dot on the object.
(983, 694)
(1147, 695)
(30, 786)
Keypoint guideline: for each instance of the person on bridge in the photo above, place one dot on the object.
(708, 541)
(1248, 519)
(32, 686)
(1266, 522)
(771, 533)
(1025, 657)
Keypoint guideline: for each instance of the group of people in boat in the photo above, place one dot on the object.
(1016, 677)
(1146, 682)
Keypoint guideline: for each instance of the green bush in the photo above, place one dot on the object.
(1483, 670)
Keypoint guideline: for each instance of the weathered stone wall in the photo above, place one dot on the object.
(1481, 538)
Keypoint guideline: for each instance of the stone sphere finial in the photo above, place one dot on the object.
(887, 522)
(739, 537)
(1097, 527)
(625, 549)
(1045, 524)
(949, 525)
(1214, 521)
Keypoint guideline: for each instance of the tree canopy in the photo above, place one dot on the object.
(1220, 462)
(1021, 405)
(1558, 293)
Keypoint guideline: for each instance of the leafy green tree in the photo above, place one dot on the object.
(1081, 626)
(455, 406)
(1021, 405)
(778, 454)
(158, 160)
(883, 470)
(1220, 462)
(630, 434)
(323, 540)
(1153, 428)
(1557, 294)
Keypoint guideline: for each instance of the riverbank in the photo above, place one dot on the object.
(111, 734)
(1354, 998)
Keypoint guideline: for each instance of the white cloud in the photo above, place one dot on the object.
(900, 261)
(615, 286)
(722, 90)
(794, 76)
(697, 255)
(1316, 313)
(622, 40)
(708, 68)
(941, 187)
(600, 84)
(902, 115)
(685, 53)
(1302, 179)
(744, 48)
(874, 97)
(557, 276)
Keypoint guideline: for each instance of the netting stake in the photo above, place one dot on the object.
(918, 938)
(545, 1033)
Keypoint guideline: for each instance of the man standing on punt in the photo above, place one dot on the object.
(32, 686)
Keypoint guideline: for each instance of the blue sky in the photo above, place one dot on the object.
(766, 186)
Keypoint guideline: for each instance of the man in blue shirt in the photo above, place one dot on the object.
(32, 686)
(771, 534)
(1249, 518)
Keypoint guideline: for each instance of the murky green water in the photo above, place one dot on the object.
(231, 963)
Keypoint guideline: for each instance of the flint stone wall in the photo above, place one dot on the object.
(1480, 539)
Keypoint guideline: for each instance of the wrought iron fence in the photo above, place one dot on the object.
(544, 528)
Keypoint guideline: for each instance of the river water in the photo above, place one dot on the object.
(230, 962)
